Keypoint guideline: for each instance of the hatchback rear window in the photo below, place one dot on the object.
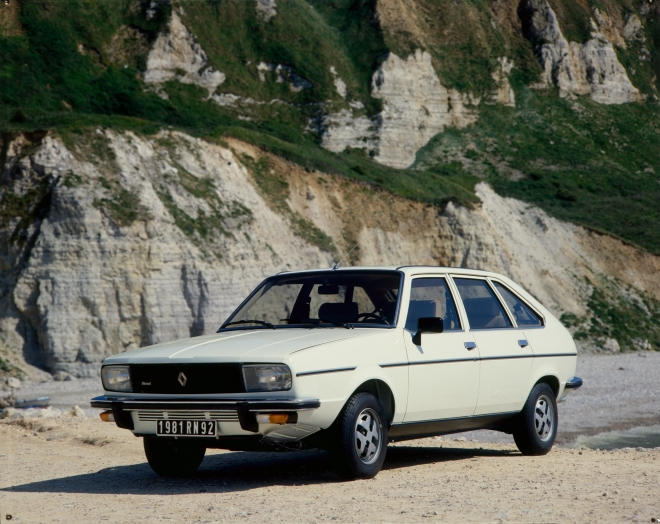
(524, 315)
(484, 310)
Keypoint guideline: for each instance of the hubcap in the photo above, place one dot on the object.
(368, 436)
(544, 418)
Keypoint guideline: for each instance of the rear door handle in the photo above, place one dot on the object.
(523, 343)
(470, 345)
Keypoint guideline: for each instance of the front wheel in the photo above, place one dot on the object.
(173, 457)
(536, 428)
(361, 438)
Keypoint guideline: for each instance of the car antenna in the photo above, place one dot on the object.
(336, 266)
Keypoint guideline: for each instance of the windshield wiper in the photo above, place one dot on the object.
(260, 322)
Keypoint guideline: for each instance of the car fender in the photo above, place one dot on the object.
(333, 372)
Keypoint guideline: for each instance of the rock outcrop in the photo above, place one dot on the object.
(592, 68)
(176, 55)
(416, 106)
(138, 240)
(633, 30)
(340, 85)
(266, 9)
(504, 93)
(283, 75)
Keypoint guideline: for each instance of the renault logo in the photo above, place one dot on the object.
(182, 379)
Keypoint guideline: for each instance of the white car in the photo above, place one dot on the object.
(348, 360)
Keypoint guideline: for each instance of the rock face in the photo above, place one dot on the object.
(90, 287)
(504, 94)
(342, 129)
(633, 30)
(176, 55)
(592, 68)
(140, 240)
(340, 85)
(416, 106)
(266, 9)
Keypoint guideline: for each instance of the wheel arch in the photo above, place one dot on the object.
(382, 392)
(551, 381)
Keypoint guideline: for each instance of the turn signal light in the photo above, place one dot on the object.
(273, 418)
(107, 416)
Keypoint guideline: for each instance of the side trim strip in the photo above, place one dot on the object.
(507, 357)
(324, 371)
(448, 361)
(556, 355)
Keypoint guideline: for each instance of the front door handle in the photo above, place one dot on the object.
(523, 343)
(470, 345)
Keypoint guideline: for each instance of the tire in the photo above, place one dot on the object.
(360, 438)
(173, 457)
(536, 428)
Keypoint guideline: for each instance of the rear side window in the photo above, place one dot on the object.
(483, 309)
(523, 314)
(430, 297)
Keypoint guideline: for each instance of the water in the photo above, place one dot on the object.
(644, 437)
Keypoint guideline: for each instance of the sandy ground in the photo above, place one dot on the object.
(83, 470)
(70, 470)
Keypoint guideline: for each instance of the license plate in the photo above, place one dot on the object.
(186, 428)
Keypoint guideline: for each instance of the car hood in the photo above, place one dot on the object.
(257, 345)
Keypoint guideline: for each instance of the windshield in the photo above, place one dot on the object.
(324, 299)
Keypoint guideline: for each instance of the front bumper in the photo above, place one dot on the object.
(246, 409)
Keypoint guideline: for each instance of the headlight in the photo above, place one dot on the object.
(116, 378)
(267, 377)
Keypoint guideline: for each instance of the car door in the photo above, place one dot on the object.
(506, 358)
(444, 370)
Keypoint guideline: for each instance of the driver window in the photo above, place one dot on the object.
(430, 297)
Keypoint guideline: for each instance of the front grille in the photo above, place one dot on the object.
(187, 379)
(152, 416)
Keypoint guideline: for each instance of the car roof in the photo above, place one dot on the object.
(407, 270)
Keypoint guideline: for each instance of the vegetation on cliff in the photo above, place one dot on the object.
(78, 64)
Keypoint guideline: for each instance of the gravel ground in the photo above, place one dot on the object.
(84, 470)
(64, 395)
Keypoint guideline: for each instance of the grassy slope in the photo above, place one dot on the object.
(553, 144)
(583, 162)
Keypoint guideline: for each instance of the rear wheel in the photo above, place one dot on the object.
(536, 429)
(173, 457)
(361, 438)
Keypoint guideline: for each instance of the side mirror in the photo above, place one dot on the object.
(427, 325)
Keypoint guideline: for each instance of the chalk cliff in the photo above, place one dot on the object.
(416, 107)
(176, 55)
(591, 68)
(123, 241)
